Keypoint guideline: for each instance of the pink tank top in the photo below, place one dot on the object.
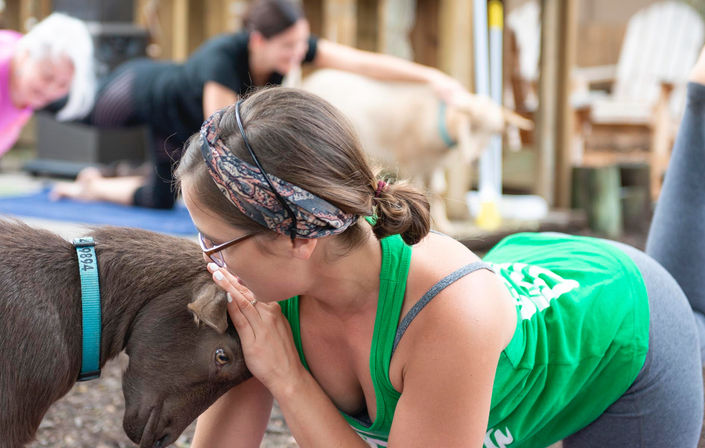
(12, 119)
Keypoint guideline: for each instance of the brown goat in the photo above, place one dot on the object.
(152, 287)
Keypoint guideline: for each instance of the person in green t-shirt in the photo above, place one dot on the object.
(369, 330)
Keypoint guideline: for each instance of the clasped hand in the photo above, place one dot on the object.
(265, 334)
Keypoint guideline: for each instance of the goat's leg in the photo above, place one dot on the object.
(436, 186)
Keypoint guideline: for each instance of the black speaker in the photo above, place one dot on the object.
(115, 43)
(105, 11)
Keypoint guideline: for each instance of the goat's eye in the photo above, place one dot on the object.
(221, 358)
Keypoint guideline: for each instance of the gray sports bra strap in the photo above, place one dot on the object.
(431, 293)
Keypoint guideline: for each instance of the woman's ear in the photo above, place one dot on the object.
(256, 39)
(303, 248)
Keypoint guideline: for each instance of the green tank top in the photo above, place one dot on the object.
(581, 336)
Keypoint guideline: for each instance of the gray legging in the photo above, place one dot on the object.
(664, 406)
(676, 235)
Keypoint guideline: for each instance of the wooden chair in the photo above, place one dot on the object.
(636, 120)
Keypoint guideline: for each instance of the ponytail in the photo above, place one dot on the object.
(401, 209)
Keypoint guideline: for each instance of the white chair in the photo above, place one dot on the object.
(637, 119)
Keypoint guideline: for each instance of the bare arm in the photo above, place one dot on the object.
(215, 97)
(238, 419)
(448, 376)
(270, 354)
(376, 65)
(385, 67)
(311, 416)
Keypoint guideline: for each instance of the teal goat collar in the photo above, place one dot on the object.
(442, 127)
(90, 307)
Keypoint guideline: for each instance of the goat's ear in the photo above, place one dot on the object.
(210, 307)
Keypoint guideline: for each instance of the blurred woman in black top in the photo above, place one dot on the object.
(173, 99)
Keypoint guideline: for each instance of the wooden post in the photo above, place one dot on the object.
(369, 22)
(216, 15)
(11, 15)
(313, 9)
(196, 19)
(424, 35)
(18, 14)
(546, 115)
(635, 197)
(340, 21)
(32, 12)
(565, 129)
(157, 18)
(597, 191)
(554, 122)
(382, 12)
(45, 8)
(455, 40)
(395, 23)
(455, 50)
(180, 26)
(180, 30)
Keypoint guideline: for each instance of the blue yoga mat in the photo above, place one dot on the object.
(38, 205)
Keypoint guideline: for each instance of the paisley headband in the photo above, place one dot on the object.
(268, 200)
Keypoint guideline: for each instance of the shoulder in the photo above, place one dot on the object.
(233, 44)
(222, 59)
(9, 36)
(473, 311)
(239, 40)
(433, 258)
(8, 42)
(479, 294)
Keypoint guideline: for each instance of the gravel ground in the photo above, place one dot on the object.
(90, 416)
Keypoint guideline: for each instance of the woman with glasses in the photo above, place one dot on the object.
(369, 330)
(174, 99)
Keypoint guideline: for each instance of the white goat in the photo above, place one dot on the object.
(406, 129)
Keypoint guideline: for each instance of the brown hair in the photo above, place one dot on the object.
(271, 17)
(299, 137)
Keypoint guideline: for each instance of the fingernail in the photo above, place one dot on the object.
(218, 275)
(212, 267)
(229, 297)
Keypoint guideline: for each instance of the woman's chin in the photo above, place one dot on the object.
(36, 104)
(286, 67)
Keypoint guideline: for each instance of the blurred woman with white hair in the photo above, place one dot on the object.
(53, 60)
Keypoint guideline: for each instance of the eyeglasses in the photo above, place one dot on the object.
(214, 252)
